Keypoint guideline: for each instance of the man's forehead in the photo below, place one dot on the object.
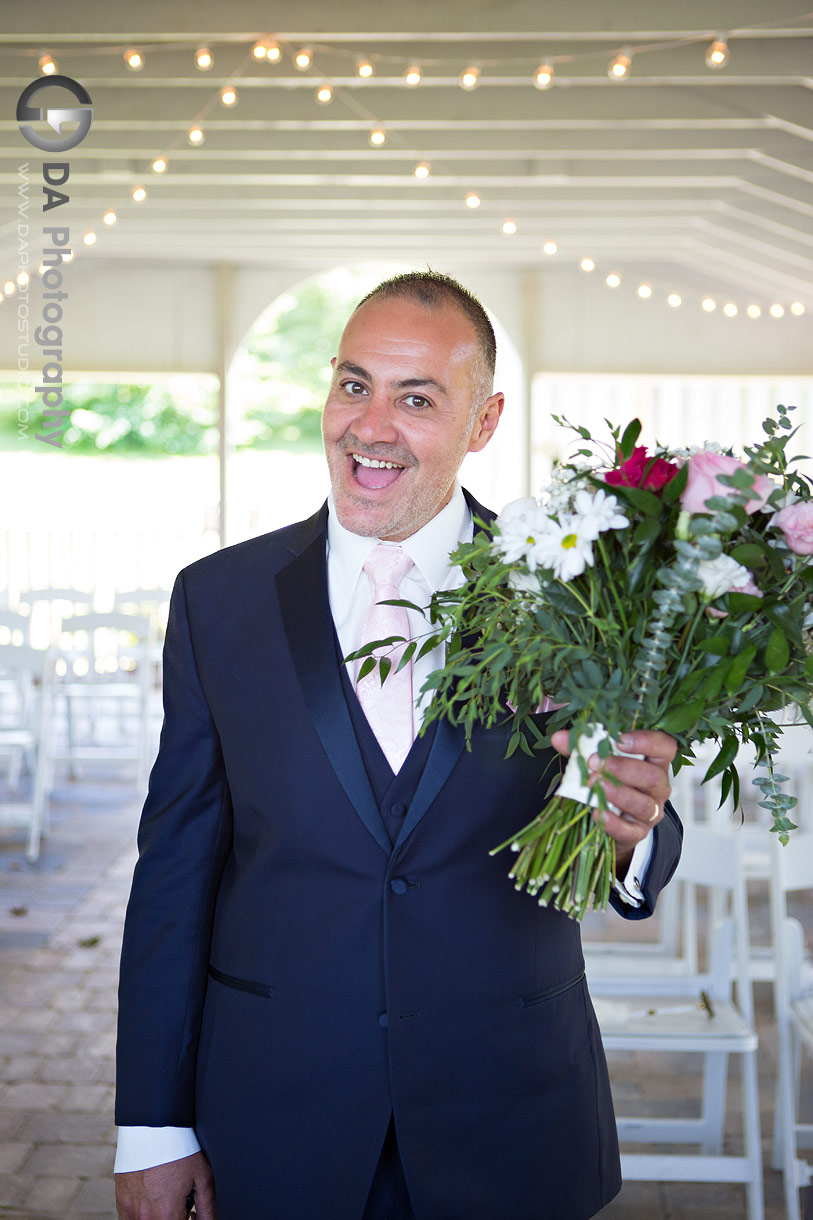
(398, 328)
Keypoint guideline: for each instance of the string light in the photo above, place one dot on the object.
(303, 59)
(195, 134)
(67, 256)
(2, 297)
(619, 67)
(259, 50)
(9, 287)
(797, 309)
(777, 311)
(412, 76)
(422, 169)
(134, 60)
(472, 200)
(469, 78)
(159, 165)
(754, 311)
(544, 76)
(378, 136)
(139, 194)
(717, 53)
(110, 217)
(364, 68)
(730, 309)
(708, 304)
(644, 291)
(587, 265)
(273, 52)
(509, 227)
(674, 300)
(47, 65)
(23, 278)
(613, 280)
(204, 59)
(324, 94)
(89, 238)
(228, 96)
(549, 247)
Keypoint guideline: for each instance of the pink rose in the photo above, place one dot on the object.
(703, 482)
(796, 523)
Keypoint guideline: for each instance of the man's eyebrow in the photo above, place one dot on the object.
(407, 383)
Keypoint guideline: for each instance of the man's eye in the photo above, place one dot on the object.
(417, 400)
(353, 387)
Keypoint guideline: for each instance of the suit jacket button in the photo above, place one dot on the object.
(399, 885)
(398, 810)
(383, 1020)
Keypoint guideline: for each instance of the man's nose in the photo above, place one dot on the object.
(376, 421)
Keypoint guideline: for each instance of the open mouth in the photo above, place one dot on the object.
(374, 473)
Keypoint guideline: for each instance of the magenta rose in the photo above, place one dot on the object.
(796, 523)
(640, 470)
(703, 482)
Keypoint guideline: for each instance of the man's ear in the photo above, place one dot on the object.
(486, 423)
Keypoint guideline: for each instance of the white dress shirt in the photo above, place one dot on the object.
(350, 592)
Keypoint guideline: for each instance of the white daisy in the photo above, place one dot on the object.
(563, 548)
(598, 512)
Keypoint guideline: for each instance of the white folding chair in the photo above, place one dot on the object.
(666, 1021)
(793, 1005)
(104, 669)
(31, 671)
(47, 607)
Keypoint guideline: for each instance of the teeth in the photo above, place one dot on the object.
(375, 464)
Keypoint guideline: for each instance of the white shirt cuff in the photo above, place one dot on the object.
(145, 1147)
(630, 888)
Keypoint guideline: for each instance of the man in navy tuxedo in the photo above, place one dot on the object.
(333, 1003)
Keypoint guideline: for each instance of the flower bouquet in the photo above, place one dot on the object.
(669, 590)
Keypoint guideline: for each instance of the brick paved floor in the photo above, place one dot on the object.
(60, 928)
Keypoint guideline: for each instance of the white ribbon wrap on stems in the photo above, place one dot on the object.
(587, 745)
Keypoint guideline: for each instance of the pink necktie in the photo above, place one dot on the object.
(387, 705)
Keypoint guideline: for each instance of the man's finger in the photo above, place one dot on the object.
(652, 743)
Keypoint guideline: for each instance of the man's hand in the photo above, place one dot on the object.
(161, 1193)
(639, 788)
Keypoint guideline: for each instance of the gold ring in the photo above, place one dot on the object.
(654, 817)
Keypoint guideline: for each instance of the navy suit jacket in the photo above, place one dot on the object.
(290, 978)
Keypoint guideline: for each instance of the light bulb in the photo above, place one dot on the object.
(228, 96)
(777, 311)
(134, 60)
(364, 68)
(619, 67)
(472, 200)
(587, 264)
(89, 238)
(674, 300)
(204, 59)
(67, 256)
(509, 227)
(730, 309)
(412, 76)
(754, 311)
(544, 76)
(549, 247)
(708, 304)
(259, 50)
(797, 309)
(644, 291)
(469, 78)
(47, 65)
(273, 52)
(613, 280)
(110, 217)
(324, 94)
(159, 165)
(9, 287)
(139, 194)
(378, 136)
(23, 278)
(195, 134)
(303, 59)
(422, 169)
(717, 54)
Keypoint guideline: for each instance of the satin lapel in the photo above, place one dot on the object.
(305, 611)
(449, 740)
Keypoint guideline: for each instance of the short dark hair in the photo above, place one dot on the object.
(433, 290)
